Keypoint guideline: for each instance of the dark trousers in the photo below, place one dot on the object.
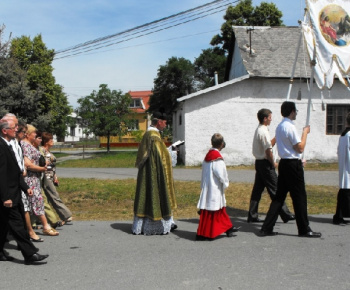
(265, 177)
(343, 204)
(13, 219)
(290, 179)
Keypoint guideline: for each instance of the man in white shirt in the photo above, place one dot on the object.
(343, 199)
(291, 174)
(265, 175)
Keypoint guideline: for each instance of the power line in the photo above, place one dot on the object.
(146, 29)
(138, 27)
(147, 43)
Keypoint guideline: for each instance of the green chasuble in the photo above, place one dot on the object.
(155, 194)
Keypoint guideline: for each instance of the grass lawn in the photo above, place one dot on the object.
(113, 159)
(93, 199)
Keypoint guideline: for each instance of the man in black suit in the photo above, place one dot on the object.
(11, 206)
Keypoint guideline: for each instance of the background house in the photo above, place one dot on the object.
(138, 106)
(75, 130)
(260, 68)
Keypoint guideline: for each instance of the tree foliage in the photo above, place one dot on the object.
(15, 94)
(174, 80)
(52, 106)
(211, 60)
(106, 112)
(244, 14)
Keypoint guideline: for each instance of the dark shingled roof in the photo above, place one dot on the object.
(273, 52)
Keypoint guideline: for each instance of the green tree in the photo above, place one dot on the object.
(174, 80)
(52, 106)
(106, 112)
(15, 94)
(244, 14)
(211, 60)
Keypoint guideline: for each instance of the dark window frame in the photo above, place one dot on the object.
(336, 118)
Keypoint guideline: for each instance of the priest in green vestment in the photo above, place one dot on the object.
(155, 193)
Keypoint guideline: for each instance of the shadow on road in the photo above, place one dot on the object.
(124, 227)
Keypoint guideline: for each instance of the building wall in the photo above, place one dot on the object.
(78, 131)
(231, 111)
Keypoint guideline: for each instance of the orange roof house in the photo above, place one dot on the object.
(138, 106)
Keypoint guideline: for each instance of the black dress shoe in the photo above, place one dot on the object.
(235, 229)
(35, 258)
(173, 227)
(290, 218)
(254, 220)
(267, 233)
(339, 221)
(5, 257)
(311, 235)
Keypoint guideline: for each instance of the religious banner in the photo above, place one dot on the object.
(328, 32)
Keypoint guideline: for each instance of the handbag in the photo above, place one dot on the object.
(42, 161)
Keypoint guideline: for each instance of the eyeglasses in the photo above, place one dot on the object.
(22, 132)
(13, 128)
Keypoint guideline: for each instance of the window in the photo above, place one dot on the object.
(72, 131)
(180, 120)
(336, 118)
(135, 103)
(134, 126)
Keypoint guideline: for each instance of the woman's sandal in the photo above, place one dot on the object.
(69, 220)
(38, 240)
(51, 232)
(58, 224)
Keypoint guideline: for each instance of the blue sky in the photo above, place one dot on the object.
(127, 66)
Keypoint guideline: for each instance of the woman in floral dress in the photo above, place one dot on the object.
(31, 161)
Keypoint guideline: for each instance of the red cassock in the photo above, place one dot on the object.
(213, 223)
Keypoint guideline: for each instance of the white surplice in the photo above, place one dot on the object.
(214, 181)
(344, 161)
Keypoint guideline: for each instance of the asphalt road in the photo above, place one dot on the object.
(105, 255)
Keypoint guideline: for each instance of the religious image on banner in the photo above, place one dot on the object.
(329, 29)
(335, 25)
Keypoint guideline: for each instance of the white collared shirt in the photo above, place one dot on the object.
(18, 153)
(261, 142)
(286, 138)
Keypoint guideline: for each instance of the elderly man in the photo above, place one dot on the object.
(11, 207)
(155, 193)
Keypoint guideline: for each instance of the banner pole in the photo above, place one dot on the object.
(313, 64)
(294, 65)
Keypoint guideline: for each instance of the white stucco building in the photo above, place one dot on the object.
(75, 132)
(259, 77)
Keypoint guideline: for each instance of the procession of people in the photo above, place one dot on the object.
(29, 195)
